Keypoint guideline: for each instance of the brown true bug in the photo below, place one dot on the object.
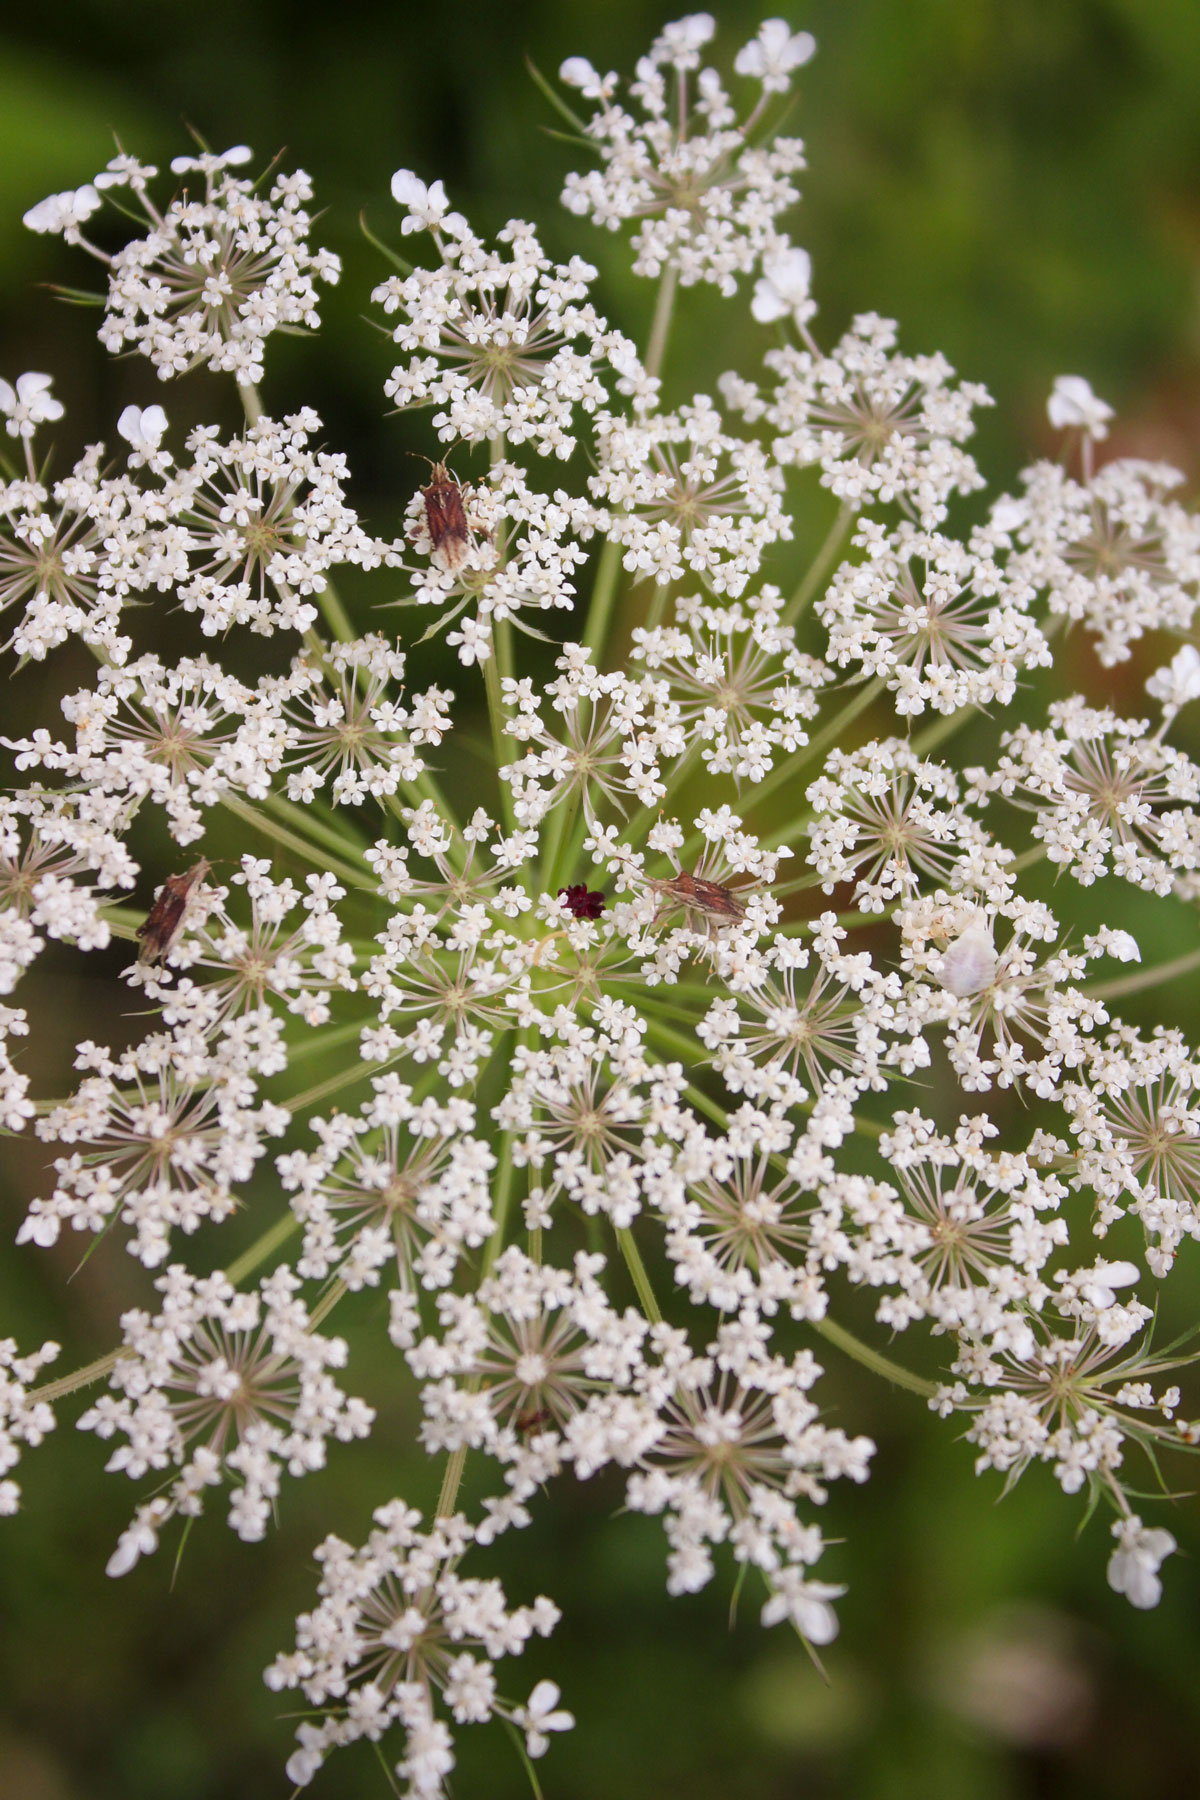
(528, 1421)
(446, 518)
(716, 904)
(164, 921)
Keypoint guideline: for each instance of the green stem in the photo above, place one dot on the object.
(637, 827)
(503, 748)
(870, 1359)
(664, 307)
(1144, 978)
(251, 815)
(50, 1391)
(637, 1269)
(835, 537)
(335, 614)
(604, 595)
(928, 740)
(450, 1482)
(787, 771)
(265, 1246)
(305, 819)
(452, 1478)
(556, 858)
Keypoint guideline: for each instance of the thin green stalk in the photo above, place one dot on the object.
(788, 770)
(502, 745)
(556, 858)
(870, 1359)
(50, 1391)
(637, 1269)
(502, 1189)
(928, 740)
(335, 614)
(503, 1192)
(604, 595)
(305, 818)
(251, 815)
(637, 827)
(1144, 978)
(271, 1240)
(660, 329)
(834, 538)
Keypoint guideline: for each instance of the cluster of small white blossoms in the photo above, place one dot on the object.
(614, 1153)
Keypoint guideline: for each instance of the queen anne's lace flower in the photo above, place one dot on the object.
(702, 965)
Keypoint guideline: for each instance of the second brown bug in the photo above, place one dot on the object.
(446, 518)
(164, 921)
(716, 904)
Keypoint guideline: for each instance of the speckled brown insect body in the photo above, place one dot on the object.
(718, 905)
(165, 919)
(446, 518)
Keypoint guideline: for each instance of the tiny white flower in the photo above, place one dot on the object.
(1098, 1284)
(1073, 403)
(1179, 681)
(428, 207)
(542, 1715)
(683, 39)
(143, 427)
(578, 72)
(774, 53)
(29, 404)
(209, 164)
(784, 286)
(63, 213)
(1133, 1567)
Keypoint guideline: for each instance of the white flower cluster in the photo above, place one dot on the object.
(614, 1154)
(213, 276)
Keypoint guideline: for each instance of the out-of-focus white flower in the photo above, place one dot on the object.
(541, 1716)
(806, 1604)
(578, 72)
(29, 404)
(680, 42)
(1073, 403)
(63, 213)
(1178, 682)
(428, 207)
(774, 53)
(784, 287)
(209, 163)
(1098, 1285)
(143, 428)
(1133, 1567)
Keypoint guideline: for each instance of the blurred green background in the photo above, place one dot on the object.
(1019, 182)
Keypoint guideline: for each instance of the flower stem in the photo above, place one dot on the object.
(1144, 978)
(252, 815)
(637, 1269)
(870, 1359)
(502, 745)
(660, 328)
(834, 538)
(788, 770)
(604, 594)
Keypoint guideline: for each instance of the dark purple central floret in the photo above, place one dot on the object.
(583, 902)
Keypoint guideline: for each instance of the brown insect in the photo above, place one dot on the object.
(527, 1421)
(165, 919)
(715, 904)
(446, 518)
